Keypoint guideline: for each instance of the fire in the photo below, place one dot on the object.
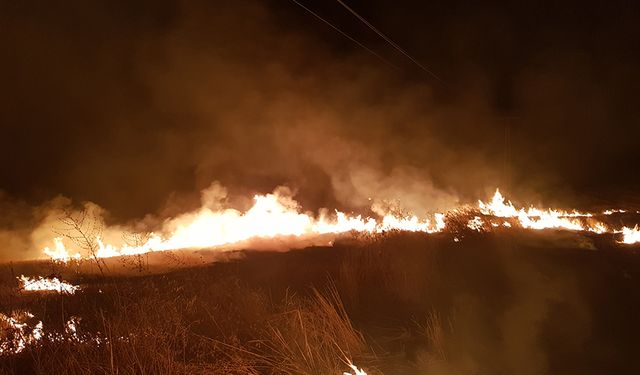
(535, 218)
(611, 212)
(630, 235)
(272, 215)
(476, 223)
(60, 252)
(17, 333)
(276, 215)
(47, 284)
(22, 330)
(355, 369)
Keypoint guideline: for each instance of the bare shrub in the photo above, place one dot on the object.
(137, 239)
(84, 230)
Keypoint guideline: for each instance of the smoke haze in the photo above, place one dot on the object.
(139, 107)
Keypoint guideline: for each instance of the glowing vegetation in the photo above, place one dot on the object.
(279, 216)
(44, 284)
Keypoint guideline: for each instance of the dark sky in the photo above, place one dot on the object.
(135, 104)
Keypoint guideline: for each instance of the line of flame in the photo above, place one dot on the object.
(274, 216)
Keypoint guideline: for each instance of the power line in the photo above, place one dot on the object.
(388, 40)
(346, 35)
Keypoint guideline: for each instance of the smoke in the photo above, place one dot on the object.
(140, 107)
(194, 93)
(515, 324)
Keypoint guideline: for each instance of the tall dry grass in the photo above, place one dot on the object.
(253, 319)
(238, 330)
(313, 336)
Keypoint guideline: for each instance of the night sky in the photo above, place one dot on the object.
(137, 105)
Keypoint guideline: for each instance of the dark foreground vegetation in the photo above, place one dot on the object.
(400, 303)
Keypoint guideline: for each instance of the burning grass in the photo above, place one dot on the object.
(45, 284)
(148, 326)
(277, 221)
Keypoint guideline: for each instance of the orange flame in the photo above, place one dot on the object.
(535, 218)
(274, 215)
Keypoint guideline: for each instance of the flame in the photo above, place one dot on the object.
(272, 215)
(477, 224)
(613, 211)
(60, 252)
(17, 333)
(630, 235)
(47, 284)
(275, 215)
(355, 369)
(535, 218)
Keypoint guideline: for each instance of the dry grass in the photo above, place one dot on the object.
(248, 318)
(237, 330)
(434, 330)
(389, 303)
(399, 272)
(313, 336)
(457, 221)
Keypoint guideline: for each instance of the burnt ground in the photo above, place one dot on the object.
(488, 303)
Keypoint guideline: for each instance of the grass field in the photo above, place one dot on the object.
(399, 303)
